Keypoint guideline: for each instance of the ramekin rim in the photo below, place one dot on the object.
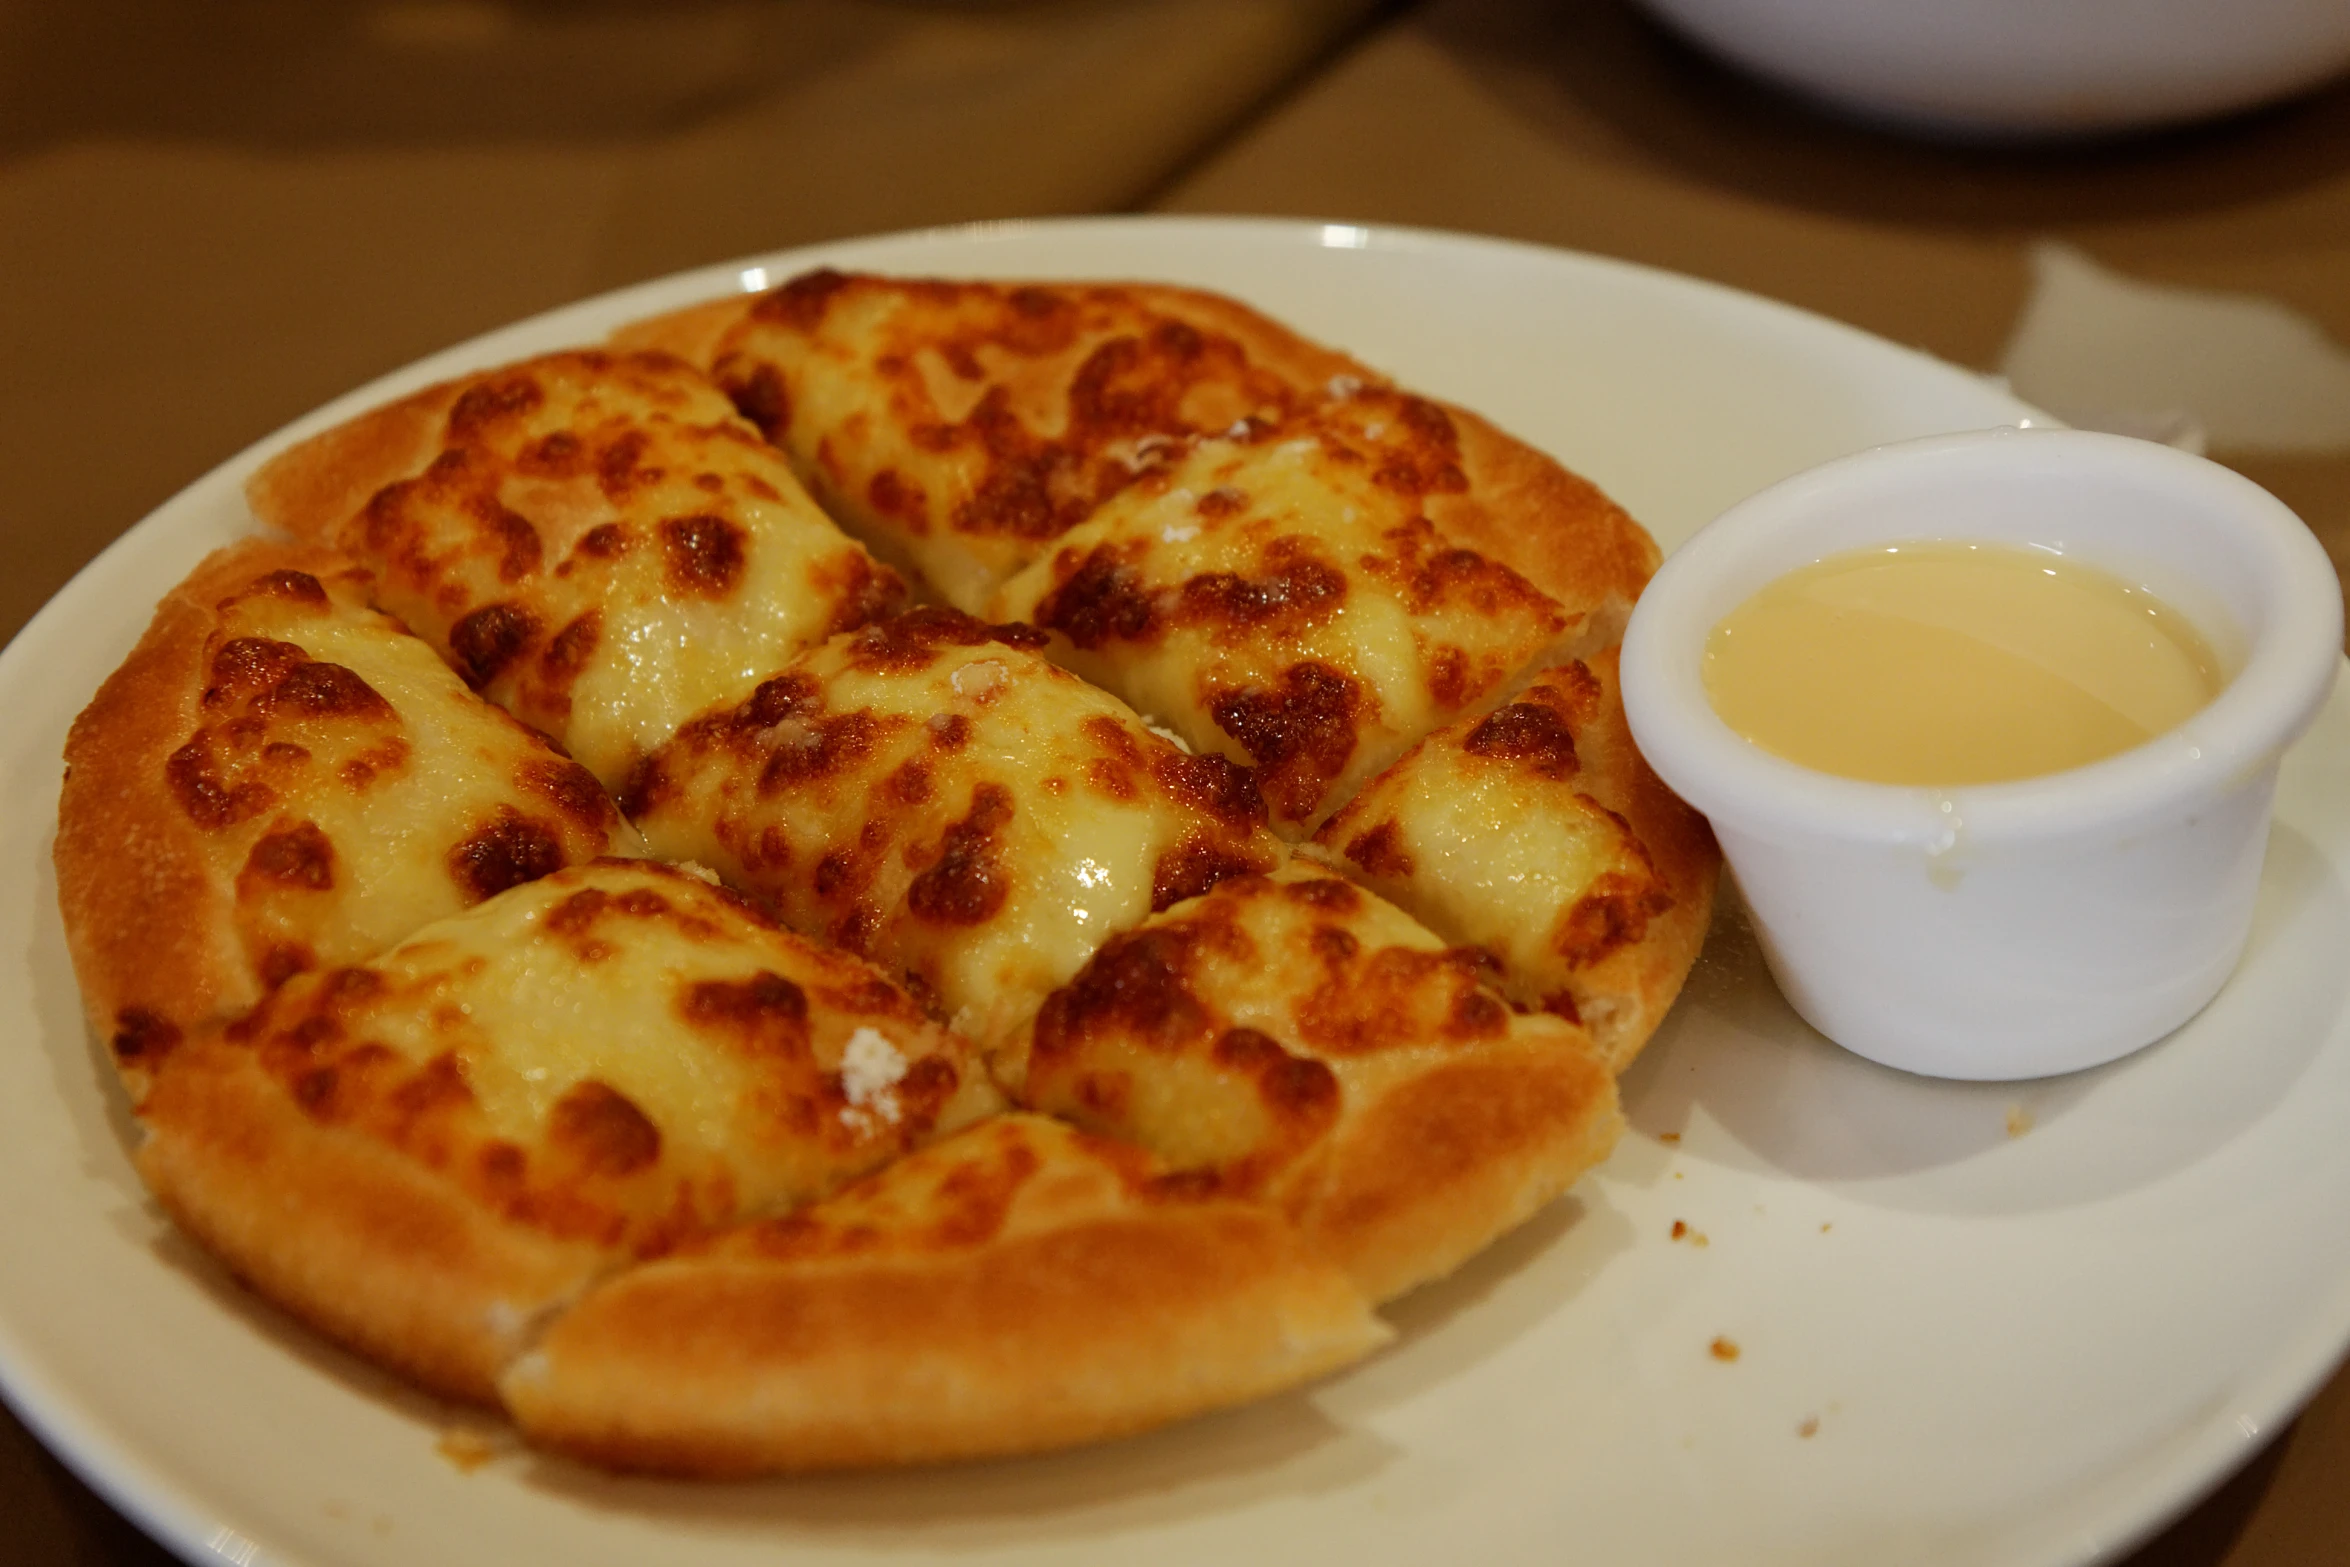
(2285, 679)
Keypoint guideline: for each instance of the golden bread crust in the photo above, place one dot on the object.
(312, 489)
(1554, 527)
(1016, 1288)
(347, 1232)
(150, 928)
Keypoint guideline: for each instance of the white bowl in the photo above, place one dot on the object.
(2012, 67)
(2015, 929)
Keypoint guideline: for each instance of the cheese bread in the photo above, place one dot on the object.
(1069, 1004)
(1018, 1286)
(596, 541)
(1537, 835)
(933, 794)
(960, 427)
(280, 779)
(1294, 1038)
(426, 1153)
(1281, 598)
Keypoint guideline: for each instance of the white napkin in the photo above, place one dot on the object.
(2187, 366)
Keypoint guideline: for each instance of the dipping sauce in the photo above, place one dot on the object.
(1945, 664)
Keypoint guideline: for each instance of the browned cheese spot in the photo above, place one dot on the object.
(800, 302)
(760, 395)
(489, 639)
(297, 587)
(1116, 768)
(1300, 735)
(502, 1166)
(577, 914)
(1380, 851)
(1427, 460)
(1138, 986)
(1386, 998)
(911, 784)
(974, 1197)
(1298, 1092)
(1105, 1095)
(570, 788)
(283, 961)
(1098, 599)
(1562, 1004)
(557, 456)
(141, 1037)
(1450, 680)
(1196, 864)
(910, 642)
(604, 541)
(968, 882)
(893, 495)
(828, 747)
(504, 852)
(1221, 502)
(861, 593)
(329, 691)
(776, 699)
(620, 467)
(387, 756)
(1298, 592)
(247, 666)
(704, 555)
(602, 1130)
(489, 402)
(296, 856)
(1214, 784)
(567, 654)
(1612, 915)
(765, 1014)
(208, 799)
(511, 535)
(1529, 733)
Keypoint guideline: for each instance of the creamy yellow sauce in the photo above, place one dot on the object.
(1947, 664)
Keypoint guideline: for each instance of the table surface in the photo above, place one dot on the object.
(212, 219)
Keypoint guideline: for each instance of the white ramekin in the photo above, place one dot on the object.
(2017, 929)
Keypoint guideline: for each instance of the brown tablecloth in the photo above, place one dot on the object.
(212, 218)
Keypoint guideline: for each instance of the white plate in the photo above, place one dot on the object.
(2016, 1349)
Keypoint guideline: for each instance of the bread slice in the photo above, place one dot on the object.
(596, 541)
(1017, 1287)
(1537, 835)
(1294, 1039)
(280, 779)
(426, 1154)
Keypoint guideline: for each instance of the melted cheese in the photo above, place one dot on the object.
(395, 790)
(1280, 600)
(630, 1021)
(605, 548)
(960, 427)
(958, 810)
(1512, 834)
(1239, 1031)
